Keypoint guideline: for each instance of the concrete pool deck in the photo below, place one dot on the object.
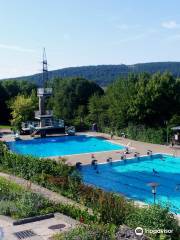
(137, 146)
(85, 158)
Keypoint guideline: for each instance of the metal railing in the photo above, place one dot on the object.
(46, 113)
(48, 123)
(44, 91)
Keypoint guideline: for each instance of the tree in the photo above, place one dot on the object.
(22, 109)
(155, 100)
(71, 97)
(97, 108)
(10, 89)
(3, 108)
(120, 96)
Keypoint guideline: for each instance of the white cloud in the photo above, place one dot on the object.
(15, 48)
(170, 24)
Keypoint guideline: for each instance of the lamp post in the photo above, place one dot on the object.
(154, 186)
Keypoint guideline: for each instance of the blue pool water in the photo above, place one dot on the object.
(61, 146)
(131, 177)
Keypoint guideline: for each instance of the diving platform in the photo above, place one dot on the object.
(32, 125)
(45, 114)
(44, 92)
(50, 126)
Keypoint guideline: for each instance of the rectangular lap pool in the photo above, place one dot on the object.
(131, 177)
(61, 146)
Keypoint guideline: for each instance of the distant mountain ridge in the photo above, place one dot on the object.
(105, 74)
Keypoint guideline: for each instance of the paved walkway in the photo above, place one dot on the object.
(140, 147)
(42, 230)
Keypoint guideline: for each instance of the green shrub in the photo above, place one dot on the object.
(81, 215)
(28, 166)
(17, 202)
(7, 207)
(90, 232)
(144, 134)
(30, 204)
(152, 218)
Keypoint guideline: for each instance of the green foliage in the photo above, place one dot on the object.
(111, 208)
(10, 89)
(28, 167)
(152, 218)
(174, 121)
(5, 126)
(98, 111)
(71, 98)
(17, 202)
(145, 100)
(155, 98)
(145, 134)
(7, 208)
(3, 98)
(29, 204)
(73, 211)
(140, 104)
(22, 109)
(89, 232)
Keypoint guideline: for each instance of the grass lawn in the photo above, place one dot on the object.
(5, 126)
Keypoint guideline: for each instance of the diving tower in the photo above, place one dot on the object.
(45, 120)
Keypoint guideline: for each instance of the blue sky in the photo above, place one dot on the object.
(86, 32)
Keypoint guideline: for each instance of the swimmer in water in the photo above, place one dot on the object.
(154, 171)
(177, 187)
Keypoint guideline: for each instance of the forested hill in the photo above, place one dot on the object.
(105, 74)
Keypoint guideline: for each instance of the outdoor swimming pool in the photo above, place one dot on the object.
(131, 177)
(61, 146)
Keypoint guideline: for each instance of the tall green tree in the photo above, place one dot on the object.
(97, 108)
(156, 99)
(22, 109)
(3, 105)
(71, 96)
(142, 102)
(10, 89)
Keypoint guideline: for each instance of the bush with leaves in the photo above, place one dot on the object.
(18, 202)
(89, 232)
(152, 218)
(28, 166)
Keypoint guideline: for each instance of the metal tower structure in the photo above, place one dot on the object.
(44, 70)
(44, 116)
